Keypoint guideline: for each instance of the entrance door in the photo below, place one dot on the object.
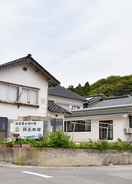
(57, 124)
(3, 127)
(106, 130)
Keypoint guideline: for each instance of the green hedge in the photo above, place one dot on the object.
(54, 139)
(105, 145)
(61, 140)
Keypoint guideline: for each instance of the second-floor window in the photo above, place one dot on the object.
(8, 93)
(18, 94)
(29, 96)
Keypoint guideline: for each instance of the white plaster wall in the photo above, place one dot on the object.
(86, 136)
(53, 115)
(66, 102)
(28, 78)
(119, 125)
(120, 122)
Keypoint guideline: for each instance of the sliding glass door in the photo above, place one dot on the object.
(106, 130)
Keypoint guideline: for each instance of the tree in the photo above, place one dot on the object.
(110, 86)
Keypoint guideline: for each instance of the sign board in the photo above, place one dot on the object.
(28, 129)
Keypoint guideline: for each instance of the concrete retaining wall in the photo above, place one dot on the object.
(63, 157)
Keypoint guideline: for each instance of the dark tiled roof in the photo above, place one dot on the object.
(62, 92)
(115, 105)
(53, 107)
(94, 99)
(115, 101)
(100, 111)
(28, 59)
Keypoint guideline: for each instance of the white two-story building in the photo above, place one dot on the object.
(23, 92)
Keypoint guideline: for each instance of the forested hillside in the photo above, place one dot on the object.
(110, 86)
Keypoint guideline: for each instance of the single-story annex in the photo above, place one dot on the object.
(104, 119)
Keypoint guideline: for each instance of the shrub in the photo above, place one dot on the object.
(99, 145)
(59, 140)
(105, 145)
(102, 145)
(34, 142)
(121, 145)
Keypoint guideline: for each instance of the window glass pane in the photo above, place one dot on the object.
(68, 126)
(106, 130)
(88, 125)
(33, 97)
(57, 124)
(8, 92)
(29, 96)
(12, 93)
(29, 129)
(3, 92)
(77, 126)
(24, 129)
(130, 121)
(80, 126)
(24, 96)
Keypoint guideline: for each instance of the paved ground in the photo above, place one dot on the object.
(82, 175)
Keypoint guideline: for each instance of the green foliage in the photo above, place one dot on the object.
(99, 145)
(54, 139)
(111, 86)
(81, 90)
(118, 145)
(105, 145)
(59, 140)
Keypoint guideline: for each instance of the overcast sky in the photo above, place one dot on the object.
(75, 40)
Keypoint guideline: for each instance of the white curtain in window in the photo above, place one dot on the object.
(33, 97)
(8, 93)
(29, 96)
(24, 95)
(3, 92)
(12, 94)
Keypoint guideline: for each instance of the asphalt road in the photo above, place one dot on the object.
(80, 175)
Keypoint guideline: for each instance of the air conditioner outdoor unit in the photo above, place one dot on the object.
(128, 130)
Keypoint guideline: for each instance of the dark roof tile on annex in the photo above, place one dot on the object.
(62, 92)
(53, 107)
(117, 101)
(115, 105)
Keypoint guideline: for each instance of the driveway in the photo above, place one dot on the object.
(79, 175)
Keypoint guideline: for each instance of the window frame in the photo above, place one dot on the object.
(28, 92)
(106, 129)
(76, 126)
(17, 100)
(130, 121)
